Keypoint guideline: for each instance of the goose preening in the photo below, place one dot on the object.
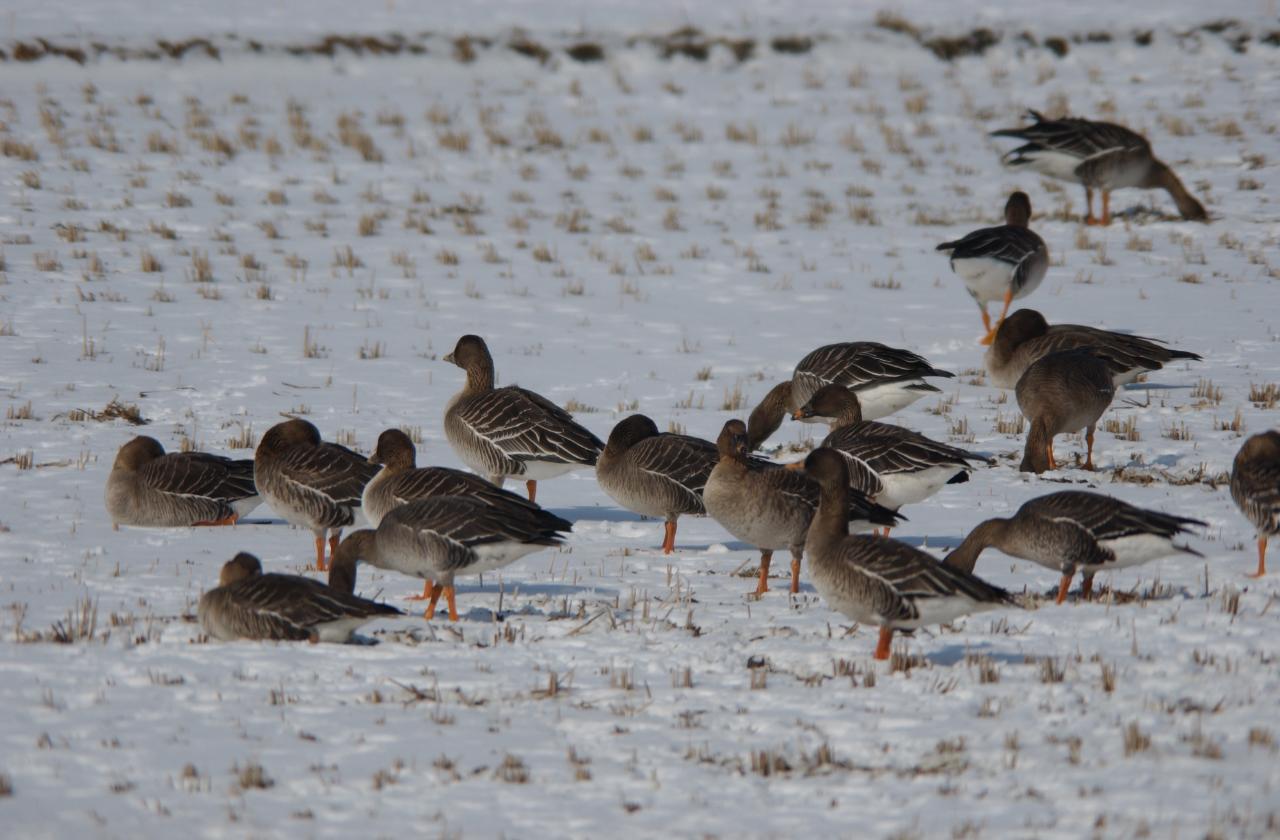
(1000, 263)
(885, 379)
(1059, 393)
(1101, 156)
(769, 506)
(400, 481)
(439, 537)
(876, 580)
(893, 466)
(1025, 336)
(250, 605)
(154, 489)
(1255, 487)
(654, 473)
(501, 432)
(311, 483)
(1074, 530)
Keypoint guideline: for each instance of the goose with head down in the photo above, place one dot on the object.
(151, 488)
(1062, 392)
(511, 432)
(876, 580)
(1101, 156)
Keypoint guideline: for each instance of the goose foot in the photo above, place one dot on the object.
(320, 564)
(1262, 559)
(229, 519)
(449, 599)
(669, 538)
(762, 585)
(436, 590)
(426, 592)
(532, 488)
(886, 642)
(1063, 586)
(795, 574)
(1086, 587)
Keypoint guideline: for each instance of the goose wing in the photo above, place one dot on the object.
(1072, 136)
(854, 365)
(526, 426)
(331, 470)
(200, 474)
(682, 460)
(424, 482)
(1255, 487)
(1105, 518)
(1007, 243)
(447, 529)
(888, 449)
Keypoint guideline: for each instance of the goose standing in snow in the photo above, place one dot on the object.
(400, 481)
(439, 537)
(876, 580)
(1062, 392)
(1255, 487)
(501, 432)
(250, 605)
(1025, 336)
(154, 489)
(311, 483)
(1099, 155)
(1000, 263)
(770, 506)
(1078, 530)
(885, 379)
(893, 466)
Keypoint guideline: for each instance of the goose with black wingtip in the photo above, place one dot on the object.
(151, 488)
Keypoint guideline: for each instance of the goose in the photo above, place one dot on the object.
(1026, 336)
(439, 537)
(500, 432)
(1099, 155)
(1062, 392)
(400, 481)
(893, 466)
(250, 605)
(312, 484)
(1074, 530)
(1000, 263)
(770, 507)
(1255, 487)
(885, 379)
(150, 488)
(876, 580)
(656, 474)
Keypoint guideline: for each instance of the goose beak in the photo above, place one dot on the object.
(802, 413)
(449, 358)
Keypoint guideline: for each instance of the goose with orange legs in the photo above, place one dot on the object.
(1255, 487)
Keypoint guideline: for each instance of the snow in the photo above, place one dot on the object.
(623, 251)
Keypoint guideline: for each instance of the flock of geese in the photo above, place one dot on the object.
(434, 523)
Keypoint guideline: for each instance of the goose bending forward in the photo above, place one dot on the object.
(885, 379)
(154, 489)
(400, 482)
(439, 537)
(501, 432)
(1078, 530)
(769, 506)
(311, 483)
(876, 580)
(1062, 392)
(250, 605)
(1000, 263)
(1025, 336)
(656, 473)
(1101, 156)
(1255, 487)
(893, 466)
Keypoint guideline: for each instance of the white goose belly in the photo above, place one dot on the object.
(1135, 550)
(908, 488)
(986, 278)
(882, 400)
(1054, 164)
(539, 470)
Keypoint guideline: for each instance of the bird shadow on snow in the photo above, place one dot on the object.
(955, 654)
(927, 542)
(598, 513)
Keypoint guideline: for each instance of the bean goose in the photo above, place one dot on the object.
(400, 482)
(893, 466)
(310, 483)
(1099, 155)
(1000, 263)
(500, 432)
(656, 474)
(1255, 487)
(1062, 392)
(154, 489)
(876, 580)
(885, 379)
(439, 537)
(1026, 336)
(250, 605)
(769, 506)
(1078, 530)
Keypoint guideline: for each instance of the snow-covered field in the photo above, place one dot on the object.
(219, 243)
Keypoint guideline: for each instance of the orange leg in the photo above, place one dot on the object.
(532, 487)
(453, 605)
(426, 592)
(320, 566)
(669, 538)
(886, 641)
(766, 557)
(1088, 204)
(1106, 207)
(1086, 587)
(1088, 437)
(795, 573)
(1262, 558)
(1053, 465)
(986, 319)
(991, 331)
(229, 519)
(333, 547)
(436, 589)
(1062, 589)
